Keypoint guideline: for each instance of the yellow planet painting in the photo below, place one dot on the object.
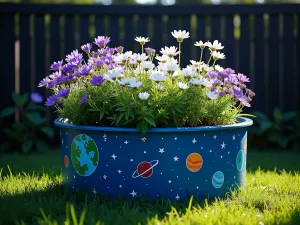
(194, 162)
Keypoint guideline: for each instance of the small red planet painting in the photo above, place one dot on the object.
(66, 161)
(145, 169)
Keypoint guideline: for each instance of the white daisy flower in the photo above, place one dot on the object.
(171, 68)
(111, 75)
(123, 81)
(219, 68)
(160, 87)
(146, 65)
(180, 35)
(172, 61)
(195, 64)
(140, 57)
(177, 73)
(142, 40)
(134, 83)
(216, 45)
(169, 51)
(182, 85)
(158, 76)
(122, 58)
(196, 81)
(144, 95)
(204, 67)
(188, 71)
(217, 55)
(162, 59)
(200, 44)
(212, 95)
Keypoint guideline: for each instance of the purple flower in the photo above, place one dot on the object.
(112, 51)
(99, 62)
(251, 93)
(36, 97)
(44, 82)
(67, 68)
(86, 69)
(228, 71)
(86, 48)
(237, 92)
(57, 81)
(148, 50)
(74, 56)
(245, 102)
(102, 41)
(55, 75)
(83, 99)
(242, 78)
(51, 101)
(56, 65)
(103, 51)
(213, 89)
(97, 80)
(223, 75)
(63, 93)
(120, 49)
(222, 93)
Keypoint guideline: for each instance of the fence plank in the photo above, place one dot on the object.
(288, 46)
(273, 62)
(171, 26)
(297, 65)
(259, 76)
(7, 53)
(187, 44)
(25, 54)
(129, 34)
(84, 26)
(158, 34)
(229, 43)
(245, 45)
(69, 35)
(100, 26)
(40, 49)
(114, 31)
(55, 39)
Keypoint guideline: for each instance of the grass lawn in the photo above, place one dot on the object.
(32, 193)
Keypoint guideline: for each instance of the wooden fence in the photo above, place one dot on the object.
(261, 41)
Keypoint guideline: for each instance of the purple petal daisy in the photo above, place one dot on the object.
(86, 48)
(36, 97)
(51, 101)
(97, 80)
(83, 99)
(86, 69)
(55, 75)
(75, 55)
(56, 65)
(63, 93)
(251, 93)
(148, 50)
(102, 41)
(67, 68)
(44, 82)
(242, 78)
(237, 92)
(120, 49)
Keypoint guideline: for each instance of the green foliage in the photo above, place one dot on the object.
(26, 132)
(37, 196)
(282, 130)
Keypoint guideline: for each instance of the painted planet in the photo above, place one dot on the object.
(66, 161)
(218, 179)
(145, 169)
(194, 162)
(240, 160)
(84, 155)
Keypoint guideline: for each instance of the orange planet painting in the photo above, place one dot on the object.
(194, 162)
(66, 161)
(245, 146)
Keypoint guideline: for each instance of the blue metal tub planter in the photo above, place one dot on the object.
(173, 163)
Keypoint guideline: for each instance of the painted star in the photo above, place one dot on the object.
(119, 171)
(104, 136)
(74, 176)
(120, 186)
(194, 141)
(175, 158)
(177, 197)
(221, 156)
(126, 142)
(94, 191)
(104, 176)
(131, 160)
(114, 156)
(145, 152)
(161, 150)
(170, 181)
(133, 193)
(175, 138)
(197, 187)
(215, 137)
(143, 139)
(233, 137)
(223, 145)
(67, 177)
(228, 153)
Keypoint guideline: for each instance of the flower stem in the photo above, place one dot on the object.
(200, 58)
(214, 63)
(142, 49)
(209, 60)
(179, 43)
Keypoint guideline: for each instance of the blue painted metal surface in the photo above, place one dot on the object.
(169, 162)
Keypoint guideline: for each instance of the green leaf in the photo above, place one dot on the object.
(101, 115)
(280, 139)
(277, 115)
(7, 112)
(265, 125)
(35, 118)
(150, 121)
(26, 146)
(42, 146)
(20, 100)
(48, 131)
(289, 116)
(36, 107)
